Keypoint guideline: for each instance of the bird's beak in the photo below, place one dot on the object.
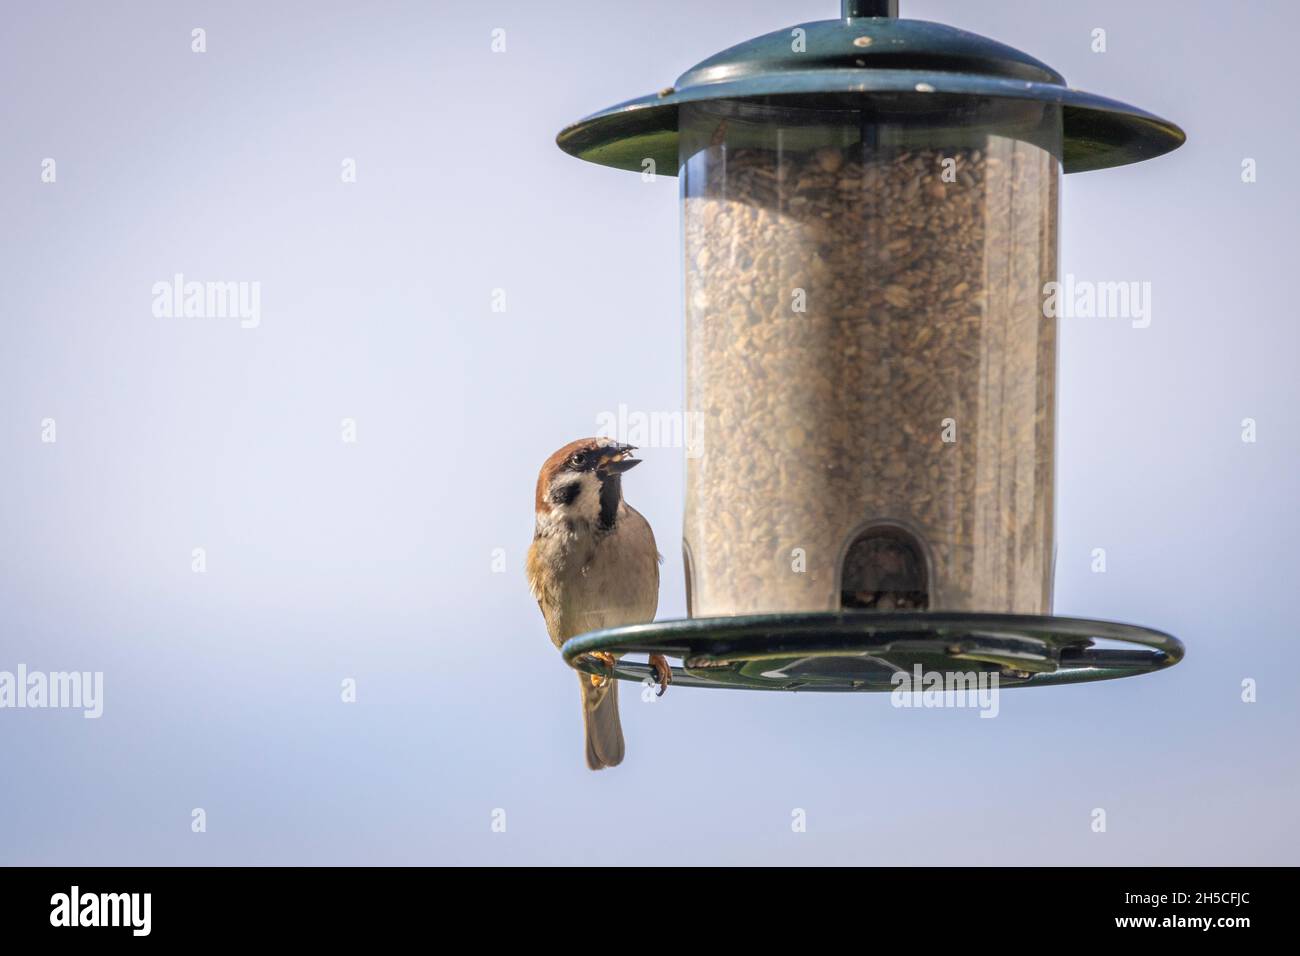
(618, 459)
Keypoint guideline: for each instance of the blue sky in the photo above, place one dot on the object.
(371, 560)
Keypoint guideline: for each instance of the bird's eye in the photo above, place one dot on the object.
(578, 460)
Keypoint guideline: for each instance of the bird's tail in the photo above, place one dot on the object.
(601, 724)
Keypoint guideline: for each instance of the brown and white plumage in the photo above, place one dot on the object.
(593, 564)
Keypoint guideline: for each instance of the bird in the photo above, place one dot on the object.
(593, 564)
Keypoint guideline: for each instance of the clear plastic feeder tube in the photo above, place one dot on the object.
(867, 356)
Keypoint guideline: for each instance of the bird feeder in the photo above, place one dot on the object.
(869, 220)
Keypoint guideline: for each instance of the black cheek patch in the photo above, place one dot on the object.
(566, 494)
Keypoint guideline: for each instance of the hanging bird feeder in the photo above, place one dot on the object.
(869, 210)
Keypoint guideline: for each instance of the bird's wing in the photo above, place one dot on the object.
(533, 567)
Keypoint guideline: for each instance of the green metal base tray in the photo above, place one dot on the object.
(863, 650)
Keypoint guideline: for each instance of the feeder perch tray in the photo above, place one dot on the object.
(861, 651)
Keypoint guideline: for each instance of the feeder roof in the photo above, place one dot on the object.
(859, 61)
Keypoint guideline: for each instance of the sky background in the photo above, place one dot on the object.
(373, 560)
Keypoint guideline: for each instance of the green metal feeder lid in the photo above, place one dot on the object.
(870, 58)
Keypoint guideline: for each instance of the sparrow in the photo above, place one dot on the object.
(593, 564)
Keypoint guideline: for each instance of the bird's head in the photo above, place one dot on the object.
(582, 482)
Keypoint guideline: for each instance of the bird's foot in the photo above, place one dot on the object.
(606, 658)
(663, 673)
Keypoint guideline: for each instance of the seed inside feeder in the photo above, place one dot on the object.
(866, 346)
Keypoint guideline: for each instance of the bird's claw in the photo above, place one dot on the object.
(606, 658)
(663, 673)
